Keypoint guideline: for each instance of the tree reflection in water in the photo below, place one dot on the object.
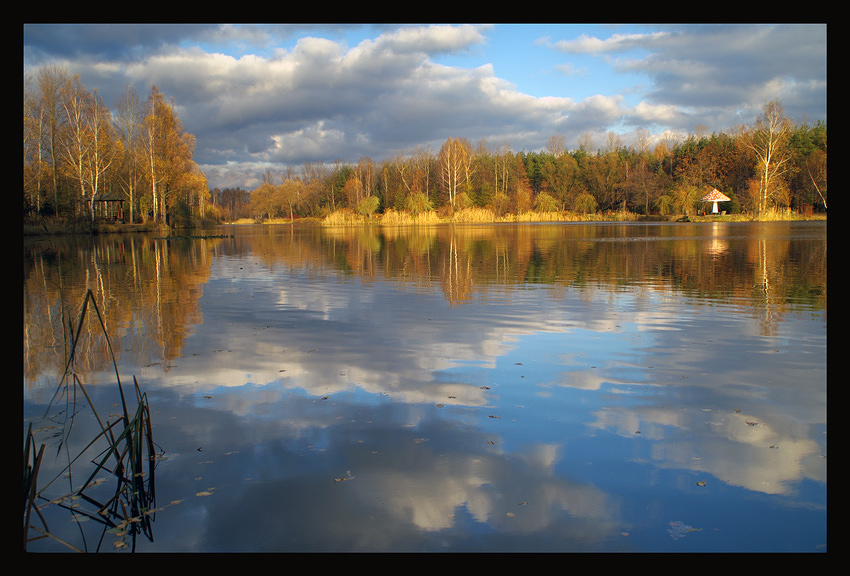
(621, 364)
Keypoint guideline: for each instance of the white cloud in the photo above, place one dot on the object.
(656, 114)
(257, 94)
(585, 44)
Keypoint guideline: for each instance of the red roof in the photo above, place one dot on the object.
(715, 196)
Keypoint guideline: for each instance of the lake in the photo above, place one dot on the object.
(583, 387)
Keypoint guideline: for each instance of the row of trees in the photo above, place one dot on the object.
(772, 165)
(78, 152)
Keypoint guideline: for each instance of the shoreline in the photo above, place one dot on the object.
(401, 219)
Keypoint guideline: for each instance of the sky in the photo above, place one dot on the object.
(270, 97)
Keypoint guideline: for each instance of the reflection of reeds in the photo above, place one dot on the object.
(32, 462)
(129, 455)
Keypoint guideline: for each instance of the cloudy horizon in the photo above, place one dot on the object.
(272, 96)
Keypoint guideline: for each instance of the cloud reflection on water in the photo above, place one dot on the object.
(339, 412)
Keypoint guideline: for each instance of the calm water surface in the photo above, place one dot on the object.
(579, 387)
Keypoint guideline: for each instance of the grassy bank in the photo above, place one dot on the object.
(55, 227)
(771, 216)
(468, 216)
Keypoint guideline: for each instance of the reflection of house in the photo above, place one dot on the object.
(109, 206)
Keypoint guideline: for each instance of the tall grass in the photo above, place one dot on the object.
(345, 217)
(125, 450)
(487, 215)
(393, 217)
(770, 215)
(474, 215)
(778, 215)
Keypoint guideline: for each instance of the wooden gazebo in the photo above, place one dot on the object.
(109, 206)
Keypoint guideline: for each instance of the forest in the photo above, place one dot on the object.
(86, 163)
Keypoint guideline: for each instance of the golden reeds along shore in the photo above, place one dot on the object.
(392, 217)
(473, 215)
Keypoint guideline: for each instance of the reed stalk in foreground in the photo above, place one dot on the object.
(129, 455)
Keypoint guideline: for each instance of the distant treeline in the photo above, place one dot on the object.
(134, 164)
(774, 165)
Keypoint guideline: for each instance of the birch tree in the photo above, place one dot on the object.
(155, 150)
(501, 169)
(422, 161)
(129, 122)
(104, 149)
(769, 142)
(33, 131)
(454, 163)
(90, 147)
(76, 104)
(50, 81)
(168, 153)
(365, 173)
